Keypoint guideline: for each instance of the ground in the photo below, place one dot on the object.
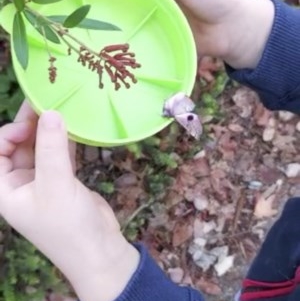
(207, 223)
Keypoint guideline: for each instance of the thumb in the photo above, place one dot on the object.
(52, 160)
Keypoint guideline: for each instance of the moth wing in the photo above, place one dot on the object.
(191, 122)
(178, 104)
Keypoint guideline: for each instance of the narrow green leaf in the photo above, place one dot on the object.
(77, 16)
(87, 23)
(41, 26)
(57, 19)
(20, 40)
(45, 1)
(97, 25)
(19, 4)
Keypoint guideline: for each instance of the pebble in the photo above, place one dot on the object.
(286, 116)
(292, 170)
(91, 153)
(106, 156)
(223, 266)
(200, 155)
(269, 134)
(200, 203)
(255, 185)
(201, 242)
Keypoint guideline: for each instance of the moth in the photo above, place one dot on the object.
(180, 107)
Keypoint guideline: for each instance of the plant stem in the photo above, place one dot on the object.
(136, 213)
(69, 44)
(46, 42)
(62, 32)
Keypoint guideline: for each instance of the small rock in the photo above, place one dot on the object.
(197, 254)
(255, 185)
(269, 134)
(204, 261)
(176, 274)
(271, 123)
(201, 154)
(200, 203)
(106, 156)
(286, 116)
(292, 170)
(91, 153)
(201, 242)
(220, 252)
(223, 266)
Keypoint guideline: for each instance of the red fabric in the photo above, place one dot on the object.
(268, 289)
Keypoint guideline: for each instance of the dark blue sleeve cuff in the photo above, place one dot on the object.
(279, 256)
(277, 76)
(149, 283)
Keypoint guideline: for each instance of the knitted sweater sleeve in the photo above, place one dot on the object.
(277, 77)
(149, 283)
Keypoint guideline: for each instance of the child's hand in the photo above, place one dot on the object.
(233, 30)
(42, 199)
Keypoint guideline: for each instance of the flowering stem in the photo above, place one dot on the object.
(114, 59)
(69, 44)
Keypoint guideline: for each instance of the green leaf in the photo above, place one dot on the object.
(97, 25)
(77, 16)
(45, 1)
(19, 4)
(42, 27)
(87, 23)
(20, 40)
(4, 84)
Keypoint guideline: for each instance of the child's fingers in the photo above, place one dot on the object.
(52, 161)
(11, 135)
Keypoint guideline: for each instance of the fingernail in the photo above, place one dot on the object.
(51, 120)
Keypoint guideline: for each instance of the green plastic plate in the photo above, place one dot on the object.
(157, 32)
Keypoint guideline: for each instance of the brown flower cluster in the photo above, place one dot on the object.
(52, 70)
(115, 60)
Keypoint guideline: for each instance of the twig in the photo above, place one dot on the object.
(238, 211)
(136, 213)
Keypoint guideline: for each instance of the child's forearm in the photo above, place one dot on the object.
(248, 33)
(276, 77)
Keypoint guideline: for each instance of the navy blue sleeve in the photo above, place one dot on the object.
(277, 77)
(275, 270)
(149, 283)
